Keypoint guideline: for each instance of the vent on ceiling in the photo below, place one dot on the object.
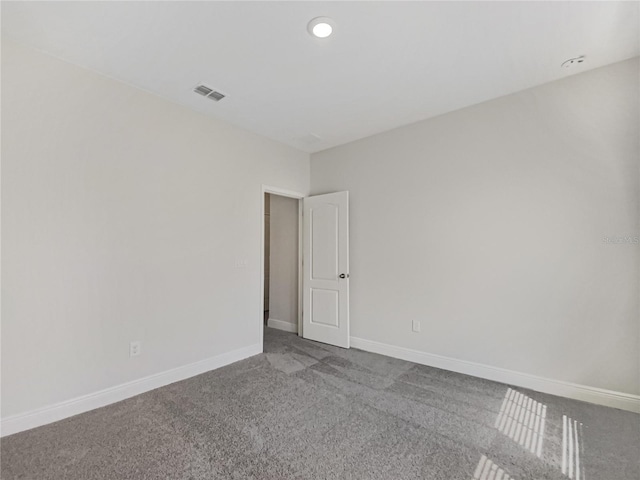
(210, 93)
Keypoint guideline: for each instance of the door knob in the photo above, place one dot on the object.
(342, 275)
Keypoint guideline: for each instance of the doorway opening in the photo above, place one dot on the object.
(282, 262)
(317, 287)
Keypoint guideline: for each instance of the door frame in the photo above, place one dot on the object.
(298, 196)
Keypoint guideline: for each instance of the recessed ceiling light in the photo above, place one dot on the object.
(321, 27)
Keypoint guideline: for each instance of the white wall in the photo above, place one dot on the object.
(283, 280)
(487, 225)
(123, 217)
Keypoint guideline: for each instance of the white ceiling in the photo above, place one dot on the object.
(388, 63)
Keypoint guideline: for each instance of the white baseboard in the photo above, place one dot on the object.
(53, 413)
(282, 325)
(609, 398)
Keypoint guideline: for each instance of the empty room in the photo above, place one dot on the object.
(320, 240)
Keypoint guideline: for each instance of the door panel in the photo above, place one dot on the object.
(325, 307)
(324, 238)
(326, 269)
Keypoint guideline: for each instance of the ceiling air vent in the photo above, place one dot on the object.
(217, 96)
(210, 93)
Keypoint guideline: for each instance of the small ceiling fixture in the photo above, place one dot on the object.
(573, 62)
(209, 93)
(321, 27)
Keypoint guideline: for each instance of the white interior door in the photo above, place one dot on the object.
(325, 316)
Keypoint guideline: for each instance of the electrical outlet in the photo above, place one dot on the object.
(416, 326)
(241, 263)
(135, 348)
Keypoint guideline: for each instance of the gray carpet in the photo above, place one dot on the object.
(310, 411)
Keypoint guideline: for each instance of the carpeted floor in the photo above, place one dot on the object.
(310, 411)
